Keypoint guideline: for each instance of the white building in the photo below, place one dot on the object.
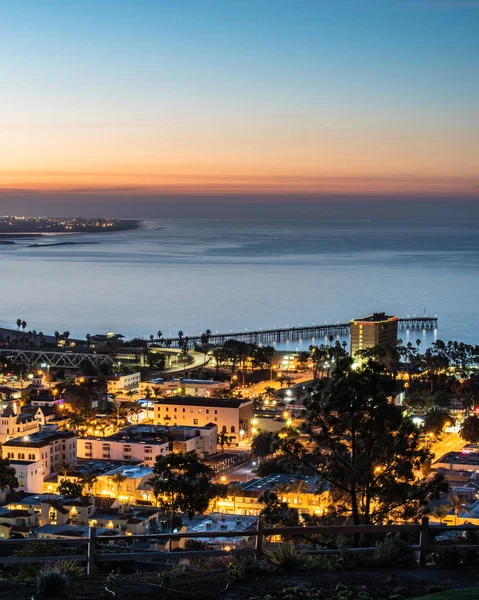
(143, 443)
(49, 446)
(29, 474)
(183, 387)
(232, 415)
(124, 382)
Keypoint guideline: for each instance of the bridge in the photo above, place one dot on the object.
(269, 336)
(56, 358)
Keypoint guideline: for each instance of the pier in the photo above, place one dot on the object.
(272, 336)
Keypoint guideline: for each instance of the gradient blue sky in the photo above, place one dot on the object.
(221, 99)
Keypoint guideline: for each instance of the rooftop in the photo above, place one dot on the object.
(262, 484)
(206, 402)
(185, 381)
(40, 438)
(460, 458)
(375, 318)
(98, 467)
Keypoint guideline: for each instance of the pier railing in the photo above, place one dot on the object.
(93, 550)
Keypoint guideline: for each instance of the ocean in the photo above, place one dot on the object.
(223, 275)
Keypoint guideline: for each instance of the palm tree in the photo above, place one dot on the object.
(456, 504)
(24, 325)
(88, 480)
(234, 490)
(19, 324)
(441, 512)
(62, 469)
(118, 479)
(135, 410)
(75, 421)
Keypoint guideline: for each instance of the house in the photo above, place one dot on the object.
(297, 492)
(16, 523)
(56, 509)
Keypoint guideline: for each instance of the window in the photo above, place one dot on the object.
(200, 410)
(184, 410)
(216, 412)
(232, 429)
(195, 421)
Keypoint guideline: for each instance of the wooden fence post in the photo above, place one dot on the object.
(90, 565)
(258, 550)
(423, 541)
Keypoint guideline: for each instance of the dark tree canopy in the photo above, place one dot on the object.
(364, 448)
(70, 489)
(470, 429)
(8, 477)
(436, 421)
(276, 513)
(182, 484)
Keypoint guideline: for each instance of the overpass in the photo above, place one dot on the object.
(269, 336)
(56, 358)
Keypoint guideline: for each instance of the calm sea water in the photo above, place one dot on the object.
(235, 274)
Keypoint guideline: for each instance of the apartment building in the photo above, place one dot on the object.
(232, 416)
(49, 446)
(124, 382)
(143, 443)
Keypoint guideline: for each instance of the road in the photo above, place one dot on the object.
(260, 388)
(452, 442)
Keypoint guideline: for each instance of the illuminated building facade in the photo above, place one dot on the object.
(377, 329)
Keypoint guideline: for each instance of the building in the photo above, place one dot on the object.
(143, 443)
(16, 523)
(232, 416)
(467, 461)
(298, 492)
(376, 330)
(183, 387)
(30, 475)
(49, 446)
(124, 382)
(29, 420)
(56, 509)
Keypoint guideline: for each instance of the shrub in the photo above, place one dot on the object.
(70, 567)
(393, 551)
(51, 582)
(286, 558)
(40, 550)
(324, 562)
(435, 589)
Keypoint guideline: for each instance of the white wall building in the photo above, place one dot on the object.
(184, 387)
(49, 446)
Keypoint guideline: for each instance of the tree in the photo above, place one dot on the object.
(264, 444)
(470, 429)
(224, 439)
(441, 512)
(8, 476)
(70, 489)
(456, 504)
(276, 513)
(365, 449)
(436, 421)
(88, 480)
(118, 479)
(182, 484)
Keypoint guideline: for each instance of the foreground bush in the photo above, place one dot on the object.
(393, 551)
(51, 582)
(287, 558)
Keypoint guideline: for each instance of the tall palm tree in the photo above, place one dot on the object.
(441, 512)
(88, 480)
(234, 490)
(118, 479)
(456, 504)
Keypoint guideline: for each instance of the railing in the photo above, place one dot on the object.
(95, 544)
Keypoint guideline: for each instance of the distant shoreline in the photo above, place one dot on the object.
(41, 227)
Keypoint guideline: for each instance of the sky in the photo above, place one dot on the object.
(140, 107)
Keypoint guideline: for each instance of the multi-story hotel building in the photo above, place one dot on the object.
(378, 329)
(232, 415)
